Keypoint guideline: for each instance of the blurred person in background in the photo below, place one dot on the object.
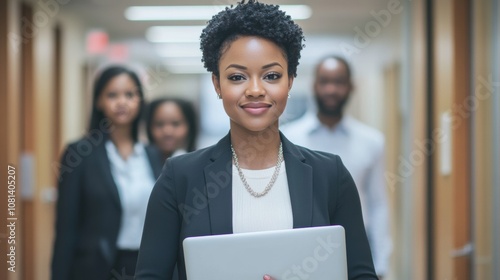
(171, 126)
(360, 147)
(104, 185)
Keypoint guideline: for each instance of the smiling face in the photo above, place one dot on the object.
(169, 128)
(253, 83)
(120, 100)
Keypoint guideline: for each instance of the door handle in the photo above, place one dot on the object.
(465, 251)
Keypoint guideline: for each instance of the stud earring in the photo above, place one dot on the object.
(219, 96)
(289, 95)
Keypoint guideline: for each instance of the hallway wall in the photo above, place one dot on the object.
(483, 185)
(10, 127)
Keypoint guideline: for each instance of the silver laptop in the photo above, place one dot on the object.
(306, 253)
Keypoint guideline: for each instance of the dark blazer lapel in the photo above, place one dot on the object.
(218, 188)
(300, 184)
(105, 169)
(155, 160)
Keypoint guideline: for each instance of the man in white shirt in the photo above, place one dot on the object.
(360, 147)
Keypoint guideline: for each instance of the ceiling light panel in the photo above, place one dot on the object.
(174, 34)
(158, 13)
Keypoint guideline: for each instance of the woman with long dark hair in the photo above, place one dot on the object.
(104, 184)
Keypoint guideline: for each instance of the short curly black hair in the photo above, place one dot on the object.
(251, 19)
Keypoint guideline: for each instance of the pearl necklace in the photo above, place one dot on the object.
(273, 178)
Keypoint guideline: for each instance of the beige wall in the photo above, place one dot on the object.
(73, 106)
(43, 116)
(367, 103)
(482, 227)
(405, 128)
(418, 184)
(392, 132)
(443, 93)
(9, 125)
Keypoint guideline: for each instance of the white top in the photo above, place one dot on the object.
(134, 179)
(179, 152)
(272, 211)
(361, 149)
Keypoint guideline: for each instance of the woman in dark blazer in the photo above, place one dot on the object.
(254, 179)
(96, 235)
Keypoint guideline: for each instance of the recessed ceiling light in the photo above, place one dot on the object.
(174, 34)
(150, 13)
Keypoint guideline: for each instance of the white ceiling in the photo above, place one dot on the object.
(337, 17)
(330, 19)
(332, 23)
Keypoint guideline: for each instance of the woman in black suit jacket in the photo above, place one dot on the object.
(254, 179)
(91, 209)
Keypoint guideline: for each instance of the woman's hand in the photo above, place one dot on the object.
(267, 277)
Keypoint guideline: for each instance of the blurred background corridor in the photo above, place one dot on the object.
(425, 73)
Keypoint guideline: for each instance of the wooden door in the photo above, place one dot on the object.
(27, 148)
(451, 133)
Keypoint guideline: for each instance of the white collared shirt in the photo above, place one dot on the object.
(134, 179)
(361, 149)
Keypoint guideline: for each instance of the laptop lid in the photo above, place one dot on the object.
(295, 254)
